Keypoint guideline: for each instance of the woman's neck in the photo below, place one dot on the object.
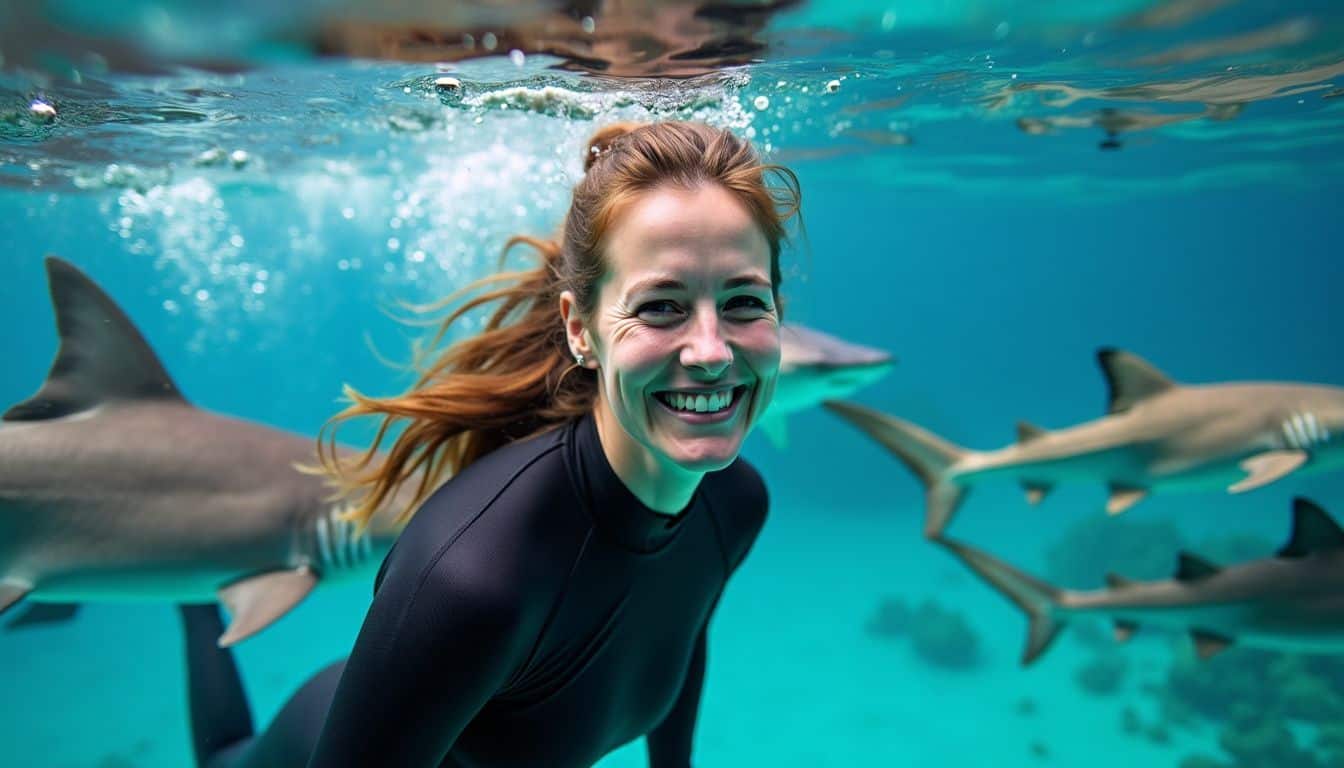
(666, 489)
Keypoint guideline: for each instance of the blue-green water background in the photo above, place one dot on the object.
(990, 260)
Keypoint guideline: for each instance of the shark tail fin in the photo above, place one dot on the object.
(927, 455)
(1039, 600)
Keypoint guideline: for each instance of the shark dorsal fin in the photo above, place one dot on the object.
(1313, 531)
(1193, 567)
(1116, 581)
(1131, 378)
(102, 356)
(1026, 432)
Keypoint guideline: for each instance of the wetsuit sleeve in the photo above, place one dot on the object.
(670, 742)
(441, 637)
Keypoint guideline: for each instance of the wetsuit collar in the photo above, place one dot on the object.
(617, 513)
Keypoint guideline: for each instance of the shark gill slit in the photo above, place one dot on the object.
(338, 546)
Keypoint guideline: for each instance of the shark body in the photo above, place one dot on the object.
(1293, 601)
(114, 487)
(1158, 435)
(815, 367)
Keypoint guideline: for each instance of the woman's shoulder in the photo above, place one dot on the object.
(498, 522)
(739, 501)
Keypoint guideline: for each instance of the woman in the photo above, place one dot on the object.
(550, 602)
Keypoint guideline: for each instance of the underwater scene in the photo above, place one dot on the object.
(1082, 259)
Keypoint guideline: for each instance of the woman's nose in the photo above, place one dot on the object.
(705, 348)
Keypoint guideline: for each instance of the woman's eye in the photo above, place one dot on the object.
(747, 306)
(659, 310)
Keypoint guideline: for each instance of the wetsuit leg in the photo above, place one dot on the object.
(221, 720)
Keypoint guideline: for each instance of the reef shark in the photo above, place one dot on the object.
(1293, 601)
(815, 367)
(1157, 435)
(114, 487)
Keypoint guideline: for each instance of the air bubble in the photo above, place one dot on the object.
(517, 57)
(761, 103)
(42, 111)
(588, 24)
(833, 86)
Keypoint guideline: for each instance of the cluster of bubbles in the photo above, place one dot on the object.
(187, 229)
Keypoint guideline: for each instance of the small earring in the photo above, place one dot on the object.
(578, 360)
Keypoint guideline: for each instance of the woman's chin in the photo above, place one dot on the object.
(705, 454)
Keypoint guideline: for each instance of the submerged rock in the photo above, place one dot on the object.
(1102, 675)
(1096, 546)
(891, 619)
(943, 637)
(940, 636)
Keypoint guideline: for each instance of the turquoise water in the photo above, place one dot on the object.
(962, 212)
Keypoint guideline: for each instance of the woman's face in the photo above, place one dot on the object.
(685, 333)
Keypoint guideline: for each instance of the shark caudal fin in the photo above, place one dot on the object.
(927, 455)
(1039, 600)
(102, 356)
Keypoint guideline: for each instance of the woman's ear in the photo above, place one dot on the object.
(576, 330)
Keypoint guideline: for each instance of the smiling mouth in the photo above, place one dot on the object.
(706, 401)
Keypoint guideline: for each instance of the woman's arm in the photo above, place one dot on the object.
(440, 638)
(670, 742)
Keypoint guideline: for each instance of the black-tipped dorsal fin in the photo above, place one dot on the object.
(1313, 531)
(1026, 432)
(102, 356)
(1193, 567)
(1131, 378)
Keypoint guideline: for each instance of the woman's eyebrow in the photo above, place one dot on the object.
(671, 284)
(755, 281)
(655, 284)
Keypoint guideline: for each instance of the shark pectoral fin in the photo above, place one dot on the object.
(1208, 644)
(1036, 492)
(1124, 630)
(1265, 468)
(1193, 567)
(1313, 531)
(36, 614)
(256, 601)
(11, 594)
(1123, 498)
(777, 429)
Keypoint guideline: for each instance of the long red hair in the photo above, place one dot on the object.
(516, 379)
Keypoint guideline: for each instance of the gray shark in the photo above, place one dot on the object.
(1158, 435)
(114, 487)
(815, 367)
(1293, 601)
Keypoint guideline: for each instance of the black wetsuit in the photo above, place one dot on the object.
(533, 613)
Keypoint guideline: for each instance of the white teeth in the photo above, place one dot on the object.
(699, 403)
